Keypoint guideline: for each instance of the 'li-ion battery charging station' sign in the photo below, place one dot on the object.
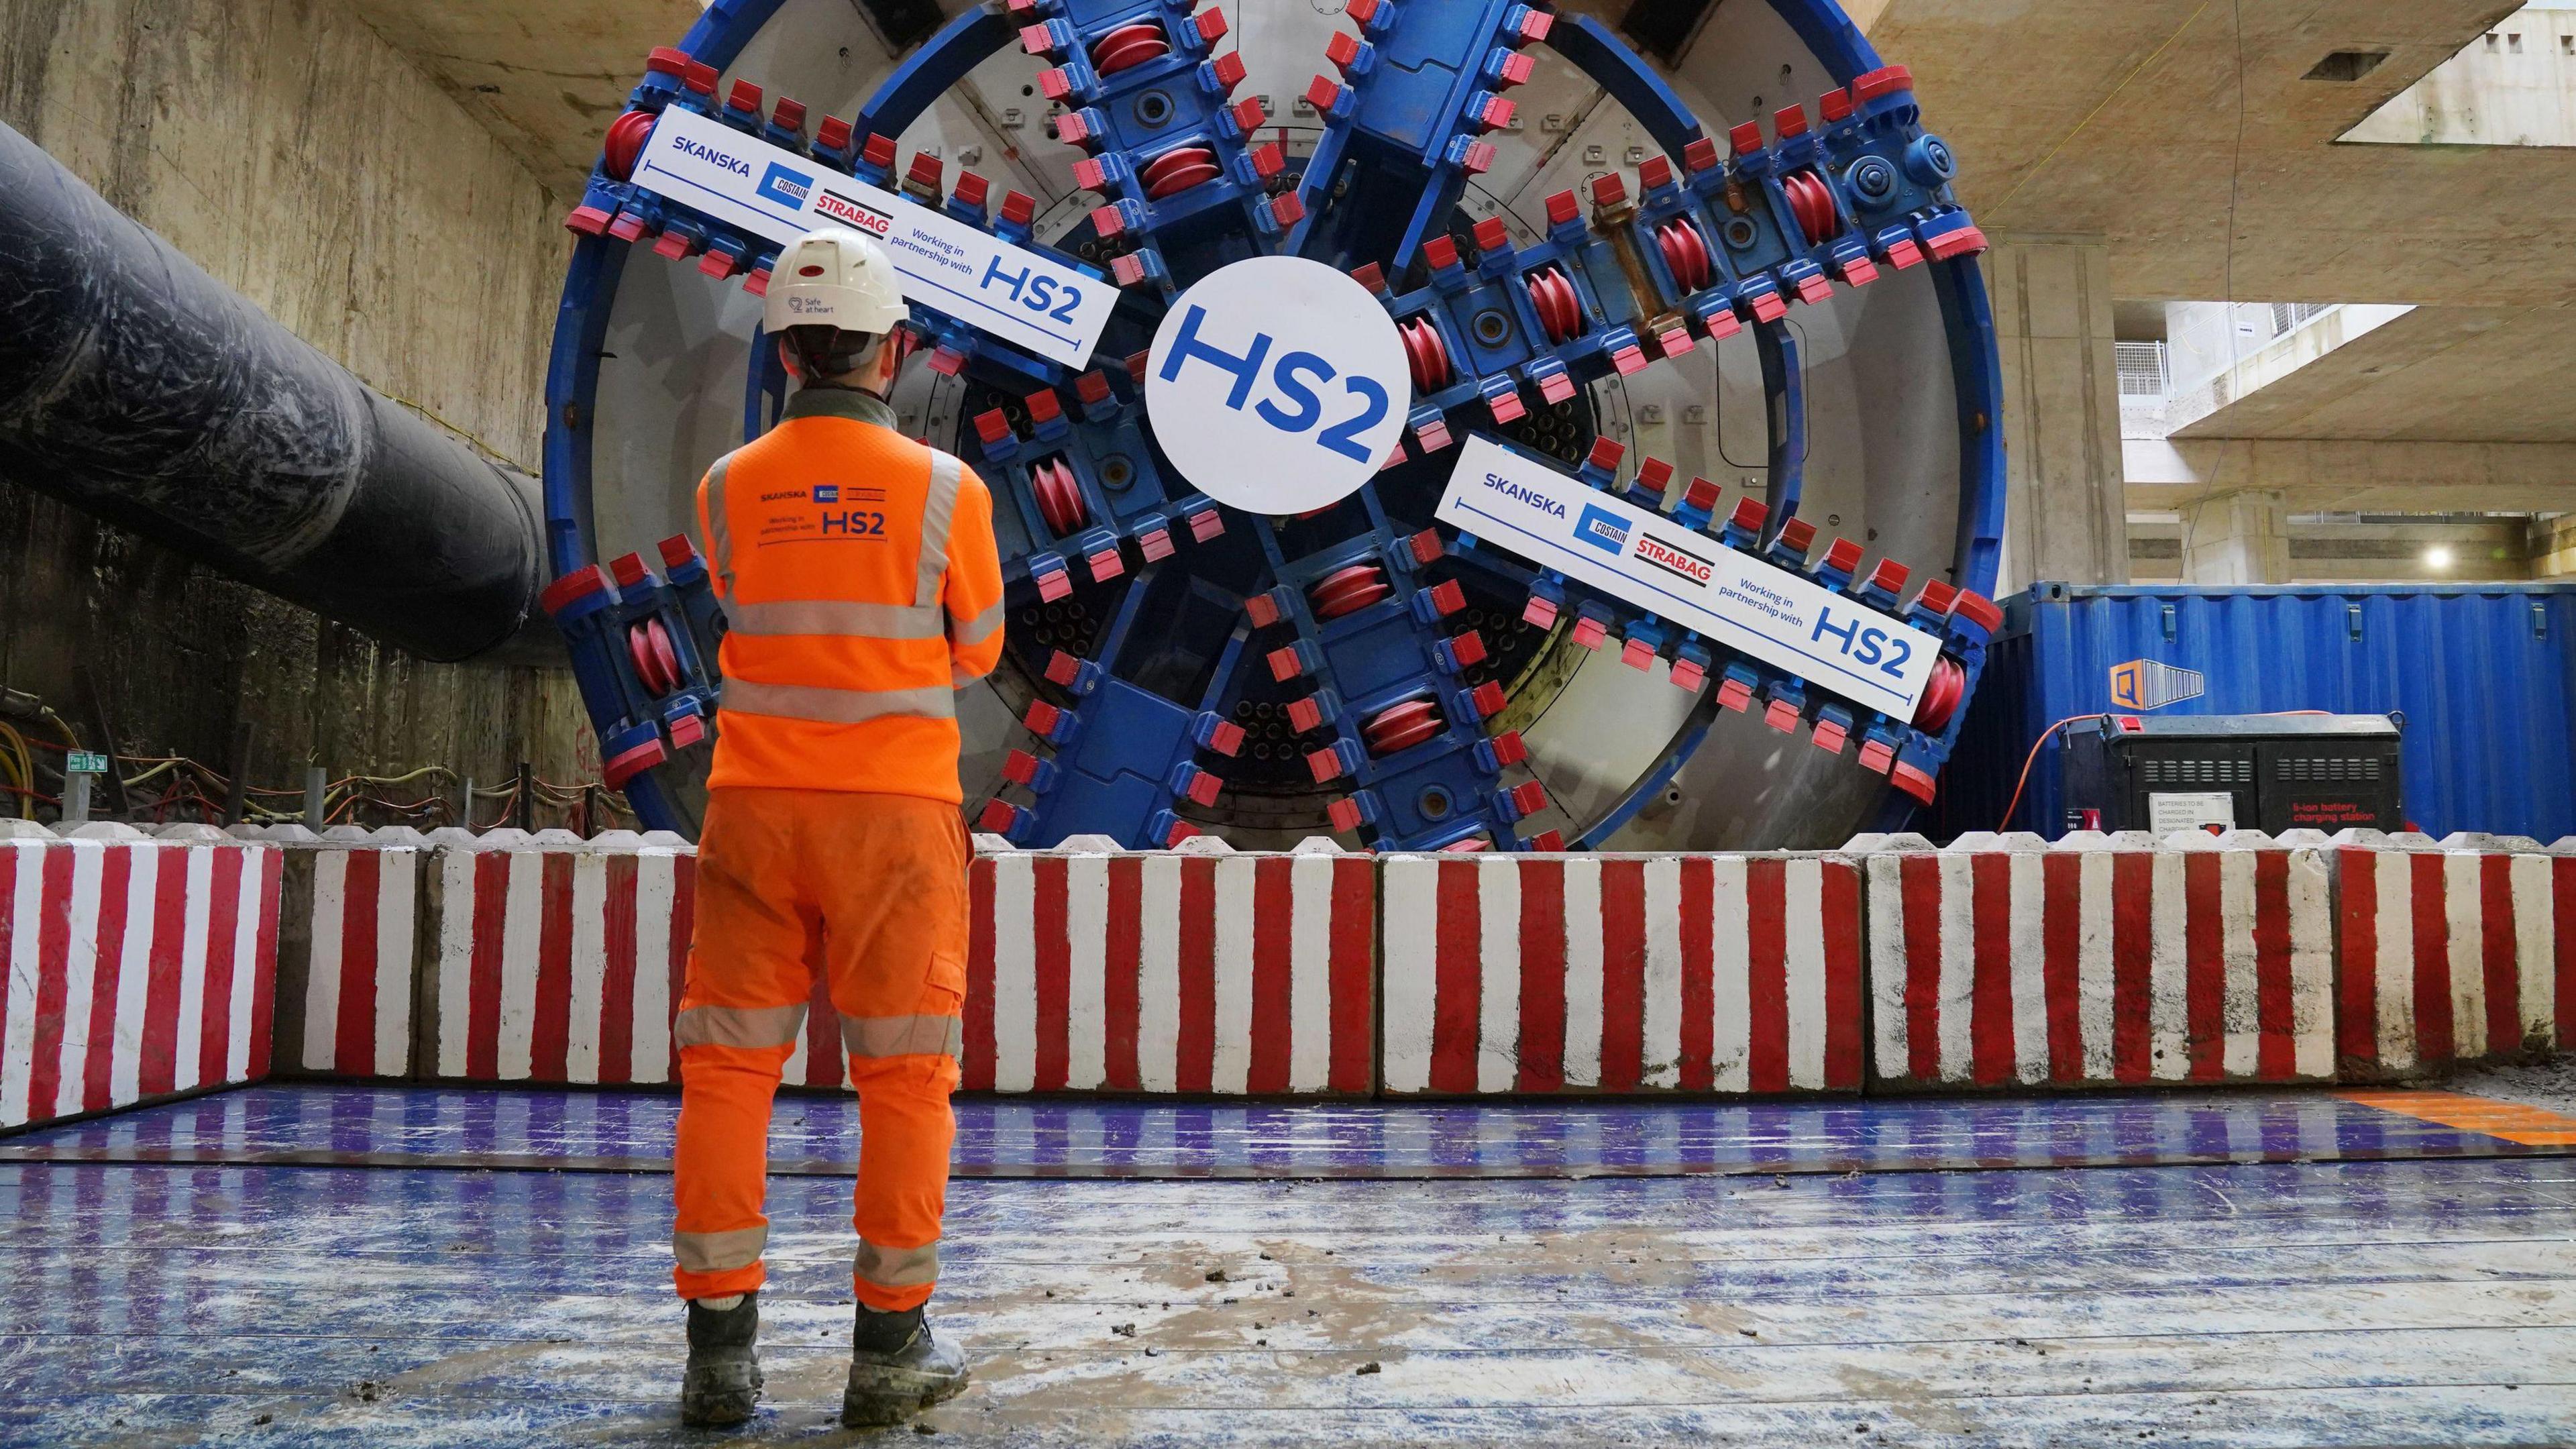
(1728, 596)
(1030, 301)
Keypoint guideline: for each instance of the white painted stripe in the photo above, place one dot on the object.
(1958, 994)
(18, 1044)
(186, 1070)
(1412, 912)
(522, 936)
(2095, 970)
(2027, 915)
(1731, 974)
(656, 885)
(1498, 1017)
(397, 893)
(80, 978)
(2535, 950)
(1158, 985)
(327, 960)
(2239, 1012)
(1663, 973)
(456, 913)
(2312, 964)
(1804, 887)
(2464, 917)
(1233, 1066)
(2394, 980)
(1582, 970)
(134, 975)
(2168, 971)
(1015, 977)
(1310, 973)
(1086, 930)
(259, 872)
(589, 963)
(1886, 922)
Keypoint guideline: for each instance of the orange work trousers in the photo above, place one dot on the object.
(869, 891)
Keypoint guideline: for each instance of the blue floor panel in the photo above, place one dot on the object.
(488, 1128)
(386, 1267)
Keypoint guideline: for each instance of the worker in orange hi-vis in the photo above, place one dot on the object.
(862, 588)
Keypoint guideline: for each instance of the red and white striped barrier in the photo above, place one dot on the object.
(1171, 972)
(1534, 974)
(2004, 960)
(556, 965)
(136, 969)
(350, 968)
(2452, 954)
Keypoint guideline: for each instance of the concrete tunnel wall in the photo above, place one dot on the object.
(306, 164)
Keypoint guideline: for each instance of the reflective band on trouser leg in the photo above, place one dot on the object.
(719, 1252)
(903, 1036)
(835, 706)
(738, 1026)
(843, 618)
(896, 1268)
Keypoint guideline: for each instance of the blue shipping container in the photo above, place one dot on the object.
(2484, 674)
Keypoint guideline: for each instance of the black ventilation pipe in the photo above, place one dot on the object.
(135, 387)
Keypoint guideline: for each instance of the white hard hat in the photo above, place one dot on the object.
(834, 277)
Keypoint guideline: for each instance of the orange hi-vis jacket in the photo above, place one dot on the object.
(862, 589)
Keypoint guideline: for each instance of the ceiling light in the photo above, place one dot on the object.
(2437, 557)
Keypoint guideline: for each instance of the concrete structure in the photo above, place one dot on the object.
(311, 166)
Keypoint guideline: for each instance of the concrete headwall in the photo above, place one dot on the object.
(306, 164)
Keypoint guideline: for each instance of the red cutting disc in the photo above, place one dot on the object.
(648, 645)
(1347, 591)
(626, 137)
(1560, 309)
(1403, 727)
(1814, 205)
(1685, 253)
(1428, 354)
(1128, 46)
(1174, 172)
(1059, 497)
(1941, 695)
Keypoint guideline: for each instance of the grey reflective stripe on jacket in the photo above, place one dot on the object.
(835, 616)
(967, 633)
(903, 1036)
(738, 1026)
(719, 1252)
(720, 528)
(836, 706)
(897, 1267)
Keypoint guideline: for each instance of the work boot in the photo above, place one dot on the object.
(723, 1381)
(897, 1369)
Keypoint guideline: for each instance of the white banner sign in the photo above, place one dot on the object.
(1032, 302)
(1696, 582)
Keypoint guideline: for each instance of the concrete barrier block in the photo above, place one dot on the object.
(1172, 971)
(2100, 967)
(1701, 974)
(137, 969)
